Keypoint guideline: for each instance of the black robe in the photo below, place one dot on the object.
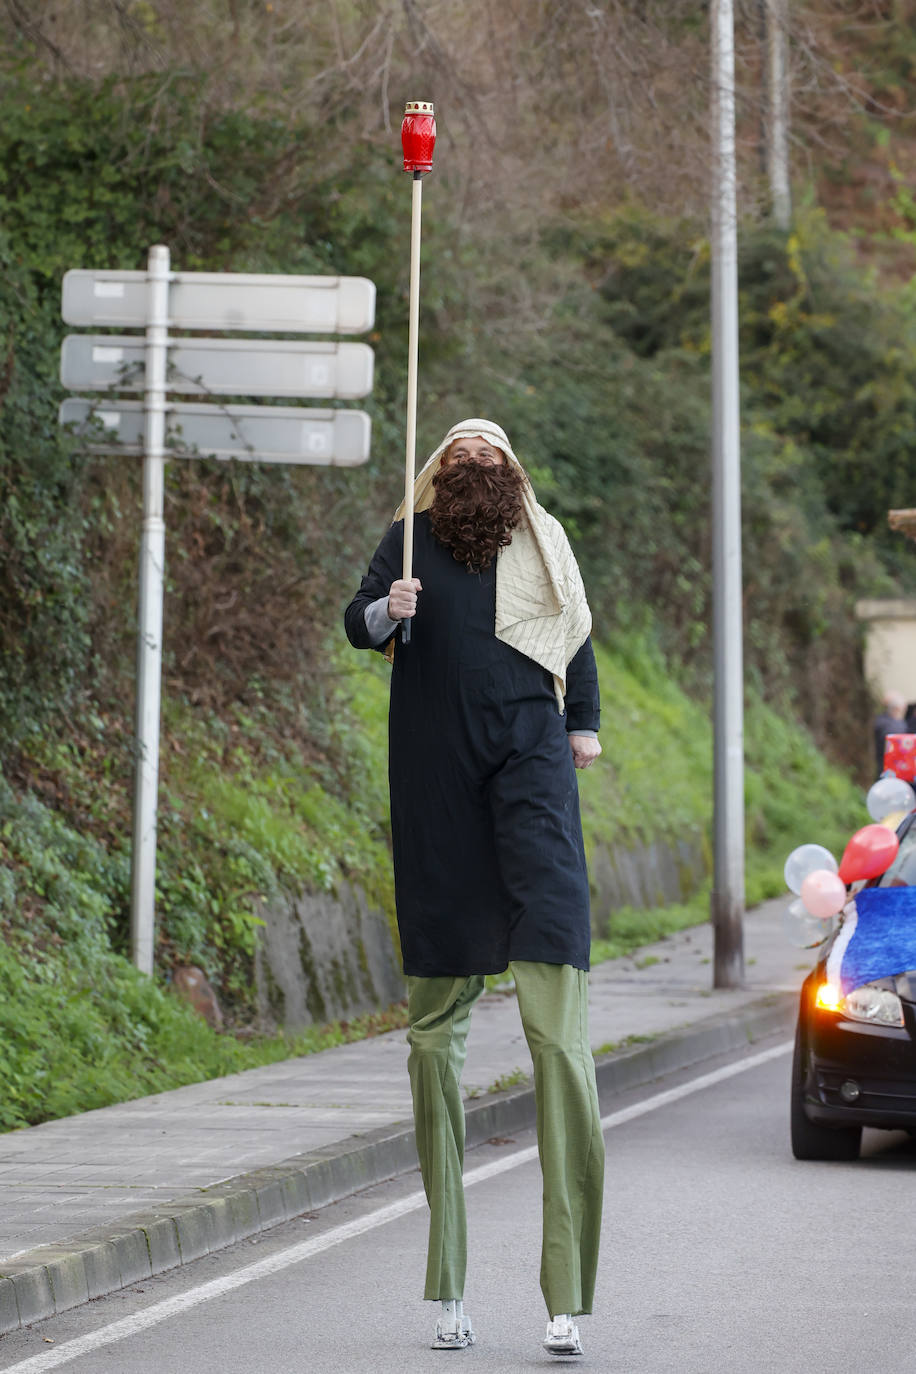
(489, 864)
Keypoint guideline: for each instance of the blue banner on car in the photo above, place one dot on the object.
(877, 938)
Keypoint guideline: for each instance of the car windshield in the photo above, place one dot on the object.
(902, 872)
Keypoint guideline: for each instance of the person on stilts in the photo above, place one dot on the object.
(494, 704)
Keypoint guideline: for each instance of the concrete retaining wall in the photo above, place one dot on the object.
(325, 957)
(330, 956)
(643, 876)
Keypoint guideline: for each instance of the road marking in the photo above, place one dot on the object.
(649, 1104)
(295, 1254)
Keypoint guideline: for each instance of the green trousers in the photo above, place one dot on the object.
(553, 1001)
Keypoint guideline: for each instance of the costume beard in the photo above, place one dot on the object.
(475, 509)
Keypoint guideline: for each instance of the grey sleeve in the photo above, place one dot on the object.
(378, 625)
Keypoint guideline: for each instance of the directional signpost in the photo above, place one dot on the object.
(221, 367)
(259, 434)
(161, 366)
(270, 303)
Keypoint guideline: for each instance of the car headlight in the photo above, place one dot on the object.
(876, 1003)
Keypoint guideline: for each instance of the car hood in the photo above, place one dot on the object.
(877, 938)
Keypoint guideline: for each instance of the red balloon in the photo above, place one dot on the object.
(870, 852)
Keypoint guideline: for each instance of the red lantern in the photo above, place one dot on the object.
(418, 136)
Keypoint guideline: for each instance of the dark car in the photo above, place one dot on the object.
(855, 1055)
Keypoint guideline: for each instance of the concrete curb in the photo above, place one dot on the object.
(52, 1279)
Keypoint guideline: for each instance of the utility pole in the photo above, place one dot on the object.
(727, 904)
(777, 130)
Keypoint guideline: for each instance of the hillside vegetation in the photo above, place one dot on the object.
(80, 1028)
(565, 293)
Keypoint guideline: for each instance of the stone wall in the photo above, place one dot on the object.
(325, 957)
(654, 874)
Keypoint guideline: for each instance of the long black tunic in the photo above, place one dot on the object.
(488, 858)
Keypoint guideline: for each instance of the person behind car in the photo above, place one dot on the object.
(891, 721)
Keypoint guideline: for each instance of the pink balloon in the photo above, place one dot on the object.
(869, 853)
(823, 893)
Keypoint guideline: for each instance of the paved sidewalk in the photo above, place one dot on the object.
(94, 1202)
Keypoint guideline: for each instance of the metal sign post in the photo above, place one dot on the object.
(149, 639)
(157, 428)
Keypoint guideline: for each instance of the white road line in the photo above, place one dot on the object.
(295, 1254)
(649, 1104)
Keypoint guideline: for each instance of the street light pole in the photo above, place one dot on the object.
(727, 904)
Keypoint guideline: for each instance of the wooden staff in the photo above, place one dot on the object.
(418, 138)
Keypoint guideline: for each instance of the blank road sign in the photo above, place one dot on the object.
(257, 434)
(224, 300)
(221, 367)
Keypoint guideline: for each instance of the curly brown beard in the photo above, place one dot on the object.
(475, 509)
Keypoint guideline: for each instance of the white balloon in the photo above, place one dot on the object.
(807, 858)
(804, 930)
(888, 795)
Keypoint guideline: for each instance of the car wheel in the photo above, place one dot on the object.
(809, 1140)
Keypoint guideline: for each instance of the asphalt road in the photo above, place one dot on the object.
(720, 1254)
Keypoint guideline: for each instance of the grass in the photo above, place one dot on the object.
(244, 817)
(654, 782)
(633, 927)
(656, 769)
(508, 1080)
(613, 1046)
(77, 1035)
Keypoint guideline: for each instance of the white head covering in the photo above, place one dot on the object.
(541, 608)
(423, 491)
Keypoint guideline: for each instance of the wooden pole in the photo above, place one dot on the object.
(413, 334)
